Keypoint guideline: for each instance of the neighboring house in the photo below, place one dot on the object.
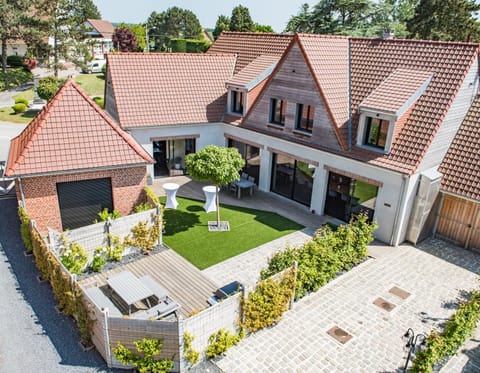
(16, 47)
(73, 160)
(99, 37)
(458, 213)
(339, 124)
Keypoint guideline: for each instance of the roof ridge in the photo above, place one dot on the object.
(416, 41)
(201, 55)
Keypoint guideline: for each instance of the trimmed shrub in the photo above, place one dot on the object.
(48, 87)
(21, 100)
(147, 359)
(327, 254)
(220, 342)
(457, 330)
(99, 101)
(25, 228)
(178, 45)
(197, 46)
(19, 108)
(14, 77)
(15, 61)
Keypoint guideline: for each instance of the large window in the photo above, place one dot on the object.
(237, 102)
(292, 178)
(376, 132)
(277, 111)
(304, 118)
(251, 155)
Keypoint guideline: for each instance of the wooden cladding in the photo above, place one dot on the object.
(459, 221)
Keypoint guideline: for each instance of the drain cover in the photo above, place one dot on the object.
(399, 292)
(384, 304)
(224, 226)
(339, 334)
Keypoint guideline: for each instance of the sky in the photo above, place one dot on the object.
(265, 12)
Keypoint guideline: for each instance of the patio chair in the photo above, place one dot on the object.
(244, 175)
(232, 188)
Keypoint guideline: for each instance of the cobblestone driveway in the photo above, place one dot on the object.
(435, 274)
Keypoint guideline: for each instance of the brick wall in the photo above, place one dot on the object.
(41, 200)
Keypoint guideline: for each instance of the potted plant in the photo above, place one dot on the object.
(177, 162)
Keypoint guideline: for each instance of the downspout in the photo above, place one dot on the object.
(22, 195)
(349, 89)
(400, 209)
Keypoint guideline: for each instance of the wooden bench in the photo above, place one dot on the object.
(102, 301)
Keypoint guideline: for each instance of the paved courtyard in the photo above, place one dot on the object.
(436, 275)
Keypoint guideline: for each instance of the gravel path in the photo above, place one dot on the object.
(34, 337)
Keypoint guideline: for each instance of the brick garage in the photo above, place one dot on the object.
(41, 199)
(73, 140)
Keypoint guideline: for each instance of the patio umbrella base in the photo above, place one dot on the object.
(224, 226)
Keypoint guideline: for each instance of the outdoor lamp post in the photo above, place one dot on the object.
(413, 341)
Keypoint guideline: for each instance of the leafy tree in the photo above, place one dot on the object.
(87, 9)
(217, 165)
(146, 360)
(445, 20)
(124, 40)
(223, 24)
(13, 19)
(48, 87)
(241, 20)
(301, 22)
(173, 23)
(139, 31)
(262, 28)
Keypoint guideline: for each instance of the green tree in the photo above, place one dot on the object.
(217, 165)
(87, 9)
(139, 31)
(301, 22)
(241, 20)
(445, 20)
(173, 23)
(48, 87)
(262, 28)
(223, 24)
(13, 20)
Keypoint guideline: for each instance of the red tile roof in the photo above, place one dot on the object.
(327, 56)
(461, 165)
(153, 89)
(250, 45)
(398, 91)
(373, 60)
(72, 133)
(255, 72)
(103, 27)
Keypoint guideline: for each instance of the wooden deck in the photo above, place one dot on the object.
(185, 283)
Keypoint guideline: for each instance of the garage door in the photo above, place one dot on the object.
(81, 201)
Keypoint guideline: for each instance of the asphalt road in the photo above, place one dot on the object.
(34, 337)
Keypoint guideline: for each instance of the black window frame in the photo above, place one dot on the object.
(277, 117)
(302, 123)
(236, 103)
(368, 129)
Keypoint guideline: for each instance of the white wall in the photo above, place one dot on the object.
(389, 198)
(210, 133)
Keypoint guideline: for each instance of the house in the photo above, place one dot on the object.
(73, 160)
(341, 125)
(99, 37)
(457, 215)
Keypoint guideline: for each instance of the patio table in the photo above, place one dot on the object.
(171, 191)
(129, 288)
(210, 192)
(243, 184)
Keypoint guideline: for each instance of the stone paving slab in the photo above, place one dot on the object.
(300, 343)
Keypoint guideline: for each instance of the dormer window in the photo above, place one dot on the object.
(278, 108)
(304, 118)
(236, 105)
(376, 132)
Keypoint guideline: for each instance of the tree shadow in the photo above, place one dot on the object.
(473, 363)
(60, 329)
(176, 221)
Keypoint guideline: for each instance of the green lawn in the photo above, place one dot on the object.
(93, 84)
(364, 191)
(7, 115)
(186, 231)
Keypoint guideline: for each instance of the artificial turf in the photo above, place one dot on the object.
(186, 231)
